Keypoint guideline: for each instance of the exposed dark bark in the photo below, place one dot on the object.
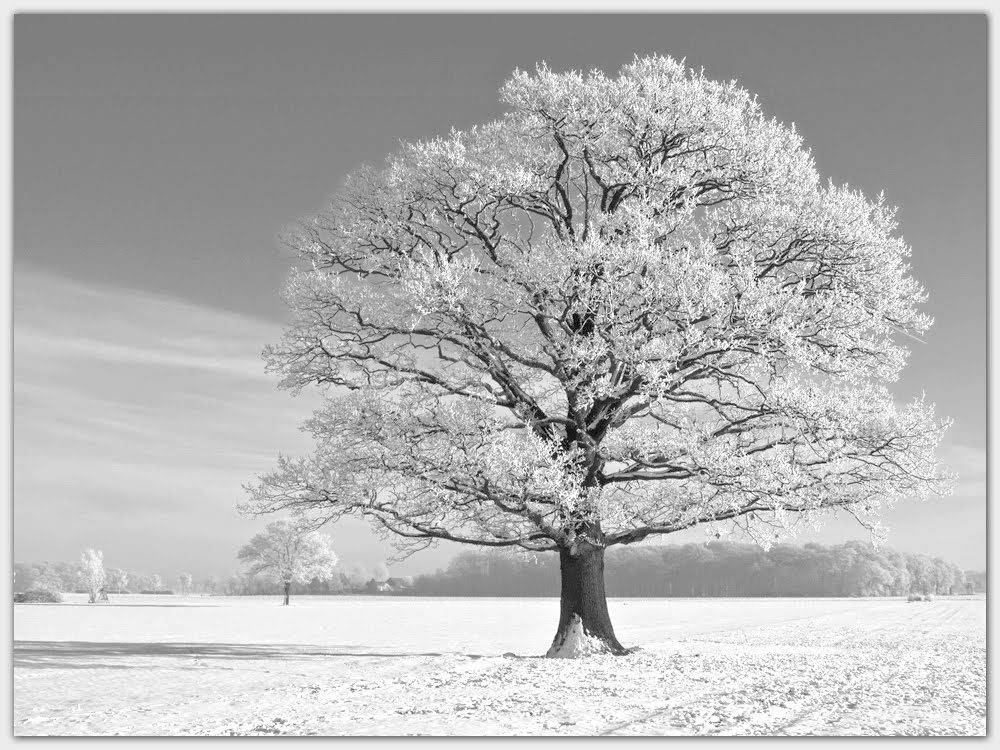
(288, 587)
(583, 603)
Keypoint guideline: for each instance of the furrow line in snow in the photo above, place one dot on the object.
(692, 699)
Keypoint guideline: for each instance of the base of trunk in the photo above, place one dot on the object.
(575, 642)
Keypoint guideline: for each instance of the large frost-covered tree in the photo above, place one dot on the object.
(291, 552)
(628, 307)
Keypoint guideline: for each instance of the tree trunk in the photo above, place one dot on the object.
(584, 624)
(288, 586)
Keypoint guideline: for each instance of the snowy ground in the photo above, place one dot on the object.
(158, 665)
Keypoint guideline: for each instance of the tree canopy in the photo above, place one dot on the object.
(289, 552)
(627, 307)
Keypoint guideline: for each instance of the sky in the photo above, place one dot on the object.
(157, 158)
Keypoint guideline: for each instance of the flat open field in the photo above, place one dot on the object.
(156, 665)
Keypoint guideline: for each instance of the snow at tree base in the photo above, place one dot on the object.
(628, 307)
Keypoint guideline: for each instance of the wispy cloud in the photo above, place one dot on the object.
(140, 414)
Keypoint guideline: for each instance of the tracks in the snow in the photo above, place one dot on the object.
(864, 663)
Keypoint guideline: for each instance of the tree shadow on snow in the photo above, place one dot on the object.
(102, 605)
(95, 654)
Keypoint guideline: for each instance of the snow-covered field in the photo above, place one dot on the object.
(161, 665)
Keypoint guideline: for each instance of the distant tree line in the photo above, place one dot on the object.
(66, 577)
(714, 569)
(353, 579)
(63, 577)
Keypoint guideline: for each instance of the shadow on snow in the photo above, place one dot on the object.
(90, 654)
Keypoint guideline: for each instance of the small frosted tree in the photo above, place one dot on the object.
(117, 579)
(627, 308)
(92, 574)
(184, 580)
(290, 552)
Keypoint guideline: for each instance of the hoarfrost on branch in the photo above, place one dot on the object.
(628, 307)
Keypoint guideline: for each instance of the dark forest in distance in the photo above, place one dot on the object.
(714, 569)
